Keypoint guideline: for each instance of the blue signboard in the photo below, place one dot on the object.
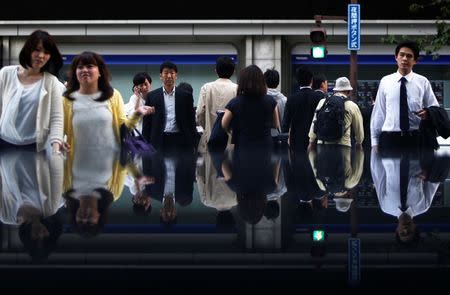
(354, 27)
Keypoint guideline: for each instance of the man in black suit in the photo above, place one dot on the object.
(173, 123)
(299, 111)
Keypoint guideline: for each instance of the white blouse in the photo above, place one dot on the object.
(18, 121)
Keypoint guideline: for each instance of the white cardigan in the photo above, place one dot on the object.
(49, 119)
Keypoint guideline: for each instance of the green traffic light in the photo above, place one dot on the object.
(318, 51)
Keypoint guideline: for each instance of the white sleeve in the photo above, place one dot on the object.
(129, 106)
(429, 99)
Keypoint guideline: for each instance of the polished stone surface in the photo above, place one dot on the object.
(213, 215)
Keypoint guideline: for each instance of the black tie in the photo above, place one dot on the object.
(404, 179)
(404, 119)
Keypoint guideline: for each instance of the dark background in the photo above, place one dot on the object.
(216, 9)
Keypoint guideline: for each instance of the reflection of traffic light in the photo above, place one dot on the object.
(319, 239)
(318, 36)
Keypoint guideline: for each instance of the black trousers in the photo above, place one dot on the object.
(7, 145)
(394, 143)
(175, 141)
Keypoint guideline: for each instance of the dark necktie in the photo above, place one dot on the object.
(404, 119)
(404, 179)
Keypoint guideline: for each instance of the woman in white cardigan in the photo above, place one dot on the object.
(31, 109)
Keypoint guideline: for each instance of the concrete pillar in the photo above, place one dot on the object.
(264, 51)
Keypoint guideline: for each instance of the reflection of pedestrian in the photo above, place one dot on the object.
(173, 174)
(404, 191)
(337, 173)
(30, 196)
(31, 109)
(252, 176)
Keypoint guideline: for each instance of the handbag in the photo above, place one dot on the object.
(133, 143)
(280, 140)
(219, 137)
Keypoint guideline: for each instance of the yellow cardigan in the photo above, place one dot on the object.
(116, 106)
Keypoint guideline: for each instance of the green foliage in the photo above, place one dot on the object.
(429, 44)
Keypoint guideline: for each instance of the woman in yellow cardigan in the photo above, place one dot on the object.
(93, 114)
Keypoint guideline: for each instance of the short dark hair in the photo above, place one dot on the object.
(224, 221)
(272, 78)
(140, 78)
(169, 65)
(90, 58)
(408, 44)
(40, 249)
(251, 82)
(318, 79)
(272, 210)
(225, 67)
(304, 76)
(186, 87)
(55, 62)
(412, 241)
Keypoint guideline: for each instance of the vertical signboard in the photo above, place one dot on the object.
(354, 27)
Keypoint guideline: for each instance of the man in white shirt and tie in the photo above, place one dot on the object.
(395, 121)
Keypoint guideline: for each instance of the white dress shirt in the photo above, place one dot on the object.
(169, 103)
(386, 111)
(386, 178)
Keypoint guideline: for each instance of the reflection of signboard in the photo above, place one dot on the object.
(353, 25)
(354, 262)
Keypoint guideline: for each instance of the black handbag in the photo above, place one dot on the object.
(280, 139)
(219, 137)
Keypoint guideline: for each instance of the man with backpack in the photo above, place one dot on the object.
(334, 116)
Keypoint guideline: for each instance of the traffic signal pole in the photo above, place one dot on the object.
(353, 74)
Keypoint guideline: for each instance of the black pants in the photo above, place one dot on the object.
(7, 145)
(175, 142)
(393, 143)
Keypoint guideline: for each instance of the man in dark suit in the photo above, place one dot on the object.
(299, 111)
(173, 123)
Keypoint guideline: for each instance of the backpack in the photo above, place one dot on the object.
(329, 124)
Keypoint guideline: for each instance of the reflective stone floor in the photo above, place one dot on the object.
(234, 221)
